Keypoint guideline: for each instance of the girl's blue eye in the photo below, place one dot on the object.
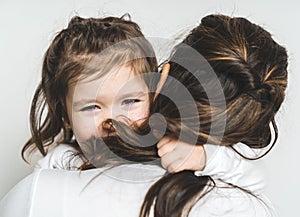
(90, 108)
(130, 101)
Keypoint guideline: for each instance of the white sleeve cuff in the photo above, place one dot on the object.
(61, 157)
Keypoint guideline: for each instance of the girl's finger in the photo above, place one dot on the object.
(166, 148)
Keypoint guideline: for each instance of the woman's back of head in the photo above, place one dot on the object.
(251, 69)
(237, 95)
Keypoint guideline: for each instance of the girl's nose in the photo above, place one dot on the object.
(107, 127)
(105, 123)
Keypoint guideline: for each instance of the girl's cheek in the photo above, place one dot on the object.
(84, 128)
(139, 115)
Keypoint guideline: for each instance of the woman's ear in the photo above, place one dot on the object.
(163, 78)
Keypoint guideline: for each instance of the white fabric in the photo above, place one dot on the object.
(225, 164)
(60, 157)
(222, 163)
(111, 193)
(55, 192)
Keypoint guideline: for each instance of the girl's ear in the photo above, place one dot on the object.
(163, 78)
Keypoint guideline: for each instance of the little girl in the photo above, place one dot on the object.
(107, 52)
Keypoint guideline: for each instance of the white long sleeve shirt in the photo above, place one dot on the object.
(53, 191)
(222, 163)
(117, 192)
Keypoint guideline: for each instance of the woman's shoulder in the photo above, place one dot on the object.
(77, 193)
(57, 181)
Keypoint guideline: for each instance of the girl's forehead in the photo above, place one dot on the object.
(111, 88)
(118, 79)
(122, 73)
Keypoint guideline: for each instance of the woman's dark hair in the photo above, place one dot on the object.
(251, 69)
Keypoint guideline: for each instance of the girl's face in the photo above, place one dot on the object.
(119, 93)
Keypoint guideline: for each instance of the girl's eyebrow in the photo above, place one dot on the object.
(131, 94)
(83, 102)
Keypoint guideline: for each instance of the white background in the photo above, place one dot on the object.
(27, 27)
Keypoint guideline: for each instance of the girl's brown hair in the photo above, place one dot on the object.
(85, 47)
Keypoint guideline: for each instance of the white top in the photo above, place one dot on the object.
(112, 193)
(222, 163)
(53, 191)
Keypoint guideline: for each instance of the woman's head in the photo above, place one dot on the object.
(87, 50)
(252, 70)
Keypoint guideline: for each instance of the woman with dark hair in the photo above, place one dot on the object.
(228, 97)
(235, 103)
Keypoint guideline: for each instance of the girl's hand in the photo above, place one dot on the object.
(177, 156)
